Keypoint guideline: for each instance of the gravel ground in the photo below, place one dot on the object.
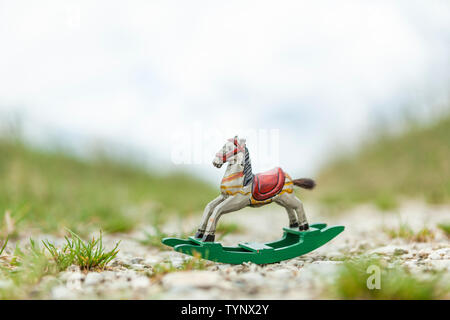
(131, 274)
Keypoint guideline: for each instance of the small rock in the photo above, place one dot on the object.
(281, 274)
(177, 261)
(399, 252)
(140, 282)
(93, 278)
(439, 254)
(63, 293)
(150, 261)
(138, 267)
(74, 280)
(73, 268)
(136, 260)
(335, 256)
(252, 277)
(325, 262)
(424, 253)
(440, 264)
(389, 250)
(192, 279)
(120, 263)
(408, 256)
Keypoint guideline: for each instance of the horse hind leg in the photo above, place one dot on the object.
(294, 203)
(301, 215)
(293, 221)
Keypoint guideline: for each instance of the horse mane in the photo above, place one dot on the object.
(248, 174)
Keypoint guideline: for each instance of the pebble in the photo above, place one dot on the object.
(335, 255)
(93, 278)
(63, 293)
(152, 260)
(192, 279)
(138, 267)
(140, 282)
(251, 277)
(389, 250)
(440, 254)
(440, 264)
(136, 260)
(74, 280)
(281, 274)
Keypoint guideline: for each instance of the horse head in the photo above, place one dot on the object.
(228, 152)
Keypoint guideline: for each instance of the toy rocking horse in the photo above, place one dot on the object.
(241, 188)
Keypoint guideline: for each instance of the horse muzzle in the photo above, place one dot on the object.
(217, 164)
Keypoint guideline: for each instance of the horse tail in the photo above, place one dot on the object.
(305, 183)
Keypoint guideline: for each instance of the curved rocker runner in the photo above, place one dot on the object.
(241, 188)
(294, 243)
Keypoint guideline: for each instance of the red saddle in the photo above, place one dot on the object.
(268, 184)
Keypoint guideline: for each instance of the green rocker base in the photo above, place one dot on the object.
(293, 244)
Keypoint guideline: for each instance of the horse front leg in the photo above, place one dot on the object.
(230, 204)
(206, 213)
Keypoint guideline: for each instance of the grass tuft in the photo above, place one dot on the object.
(88, 255)
(404, 231)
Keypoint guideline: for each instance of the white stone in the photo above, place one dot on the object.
(136, 260)
(440, 254)
(177, 261)
(333, 255)
(93, 278)
(152, 260)
(389, 250)
(137, 267)
(252, 277)
(440, 264)
(140, 282)
(281, 274)
(192, 279)
(63, 293)
(74, 280)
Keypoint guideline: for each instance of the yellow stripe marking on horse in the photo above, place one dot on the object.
(233, 176)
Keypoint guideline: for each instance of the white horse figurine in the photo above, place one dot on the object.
(241, 188)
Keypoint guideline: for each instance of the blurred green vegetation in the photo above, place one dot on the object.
(51, 190)
(404, 231)
(396, 282)
(413, 164)
(445, 226)
(30, 266)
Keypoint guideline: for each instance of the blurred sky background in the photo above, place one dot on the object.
(133, 73)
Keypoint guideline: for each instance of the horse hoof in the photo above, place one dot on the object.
(304, 227)
(209, 238)
(199, 235)
(293, 225)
